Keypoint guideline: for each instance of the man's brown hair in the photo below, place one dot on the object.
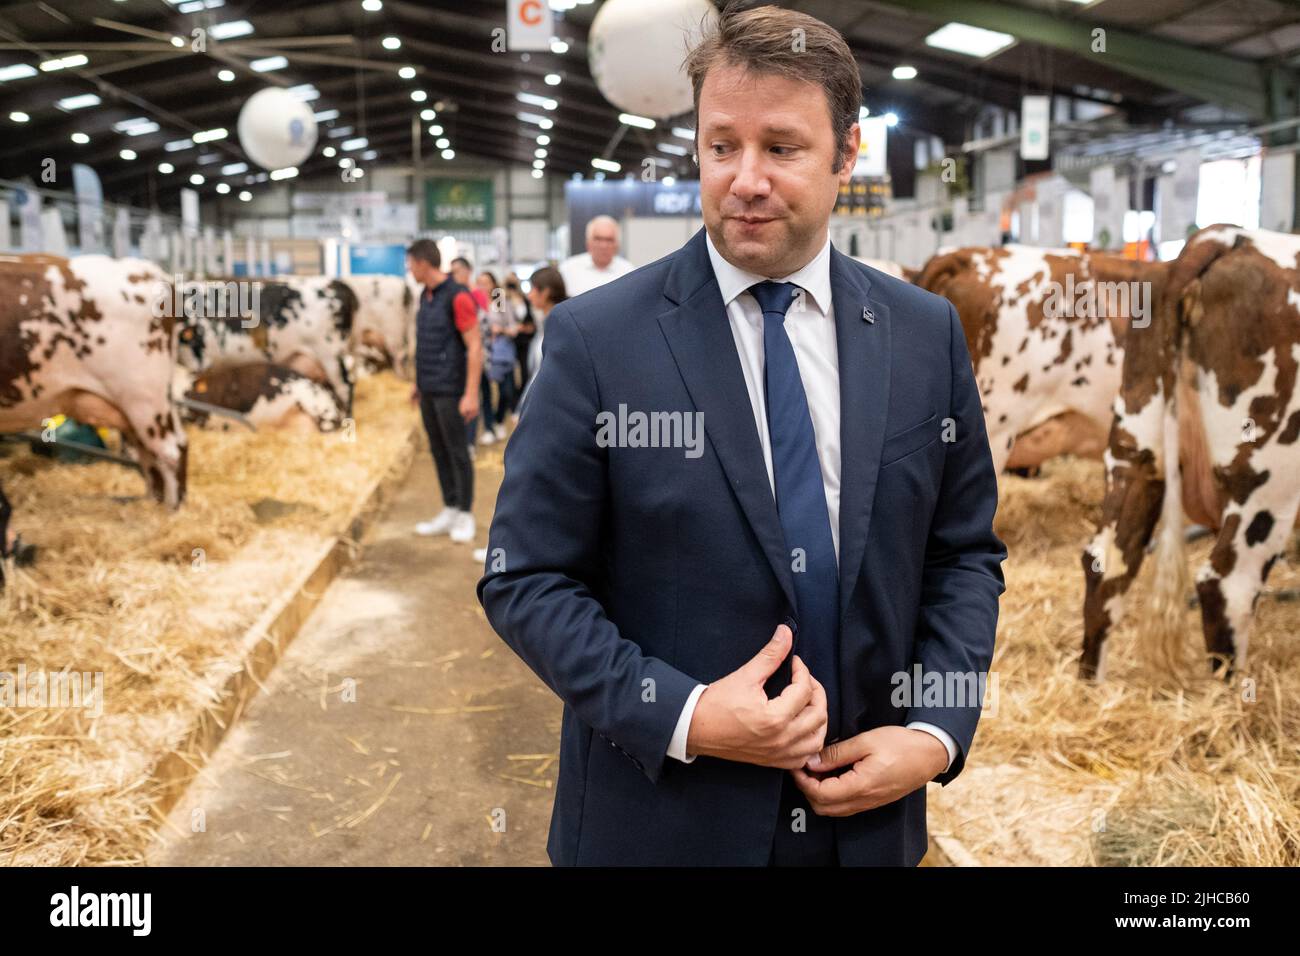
(770, 39)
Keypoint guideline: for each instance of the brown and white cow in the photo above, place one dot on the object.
(268, 396)
(1207, 422)
(85, 337)
(1045, 331)
(303, 322)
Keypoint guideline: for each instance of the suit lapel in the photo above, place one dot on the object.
(862, 334)
(699, 337)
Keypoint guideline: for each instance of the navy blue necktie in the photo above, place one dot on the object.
(801, 500)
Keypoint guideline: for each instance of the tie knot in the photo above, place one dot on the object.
(774, 297)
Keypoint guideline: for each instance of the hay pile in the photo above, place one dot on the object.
(157, 601)
(1146, 768)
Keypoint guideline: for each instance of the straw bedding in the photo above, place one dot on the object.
(158, 602)
(1147, 768)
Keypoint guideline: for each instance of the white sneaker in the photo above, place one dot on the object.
(462, 527)
(480, 555)
(440, 524)
(487, 438)
(500, 431)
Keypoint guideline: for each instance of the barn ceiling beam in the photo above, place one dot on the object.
(1227, 81)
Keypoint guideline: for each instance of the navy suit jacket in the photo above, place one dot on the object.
(624, 576)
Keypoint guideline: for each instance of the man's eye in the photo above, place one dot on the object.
(783, 150)
(718, 149)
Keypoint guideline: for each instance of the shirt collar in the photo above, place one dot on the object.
(814, 278)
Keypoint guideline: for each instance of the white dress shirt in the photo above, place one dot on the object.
(810, 324)
(581, 275)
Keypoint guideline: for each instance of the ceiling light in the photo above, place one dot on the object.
(288, 172)
(442, 143)
(553, 79)
(268, 63)
(673, 148)
(372, 6)
(904, 72)
(230, 29)
(533, 118)
(435, 130)
(81, 139)
(178, 42)
(194, 6)
(543, 140)
(448, 154)
(165, 168)
(631, 119)
(324, 116)
(16, 71)
(407, 72)
(196, 179)
(136, 127)
(669, 180)
(63, 63)
(681, 132)
(178, 144)
(226, 76)
(18, 116)
(559, 46)
(427, 115)
(537, 174)
(350, 144)
(419, 95)
(539, 164)
(891, 119)
(234, 169)
(972, 41)
(347, 162)
(208, 135)
(78, 102)
(391, 43)
(607, 165)
(304, 93)
(532, 99)
(339, 131)
(223, 188)
(329, 151)
(370, 155)
(245, 195)
(127, 154)
(539, 153)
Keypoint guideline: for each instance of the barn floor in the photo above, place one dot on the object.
(447, 755)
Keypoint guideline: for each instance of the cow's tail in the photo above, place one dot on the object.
(1163, 631)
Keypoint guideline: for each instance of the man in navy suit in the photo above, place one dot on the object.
(745, 528)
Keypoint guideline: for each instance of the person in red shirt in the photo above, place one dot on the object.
(448, 364)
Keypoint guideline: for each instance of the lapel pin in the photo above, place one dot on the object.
(868, 315)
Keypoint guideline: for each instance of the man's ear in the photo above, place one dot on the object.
(850, 157)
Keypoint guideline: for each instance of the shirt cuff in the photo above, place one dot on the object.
(944, 737)
(677, 746)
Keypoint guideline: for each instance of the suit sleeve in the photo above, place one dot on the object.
(963, 579)
(545, 561)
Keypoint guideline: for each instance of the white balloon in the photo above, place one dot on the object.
(276, 129)
(636, 48)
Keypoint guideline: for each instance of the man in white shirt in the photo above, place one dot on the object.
(601, 262)
(746, 517)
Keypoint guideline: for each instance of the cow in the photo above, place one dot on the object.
(1045, 329)
(383, 328)
(86, 337)
(303, 322)
(267, 395)
(1206, 424)
(889, 267)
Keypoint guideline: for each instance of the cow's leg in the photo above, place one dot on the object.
(152, 433)
(1135, 490)
(1253, 537)
(5, 511)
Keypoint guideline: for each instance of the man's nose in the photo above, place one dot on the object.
(751, 180)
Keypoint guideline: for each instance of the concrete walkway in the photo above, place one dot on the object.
(397, 730)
